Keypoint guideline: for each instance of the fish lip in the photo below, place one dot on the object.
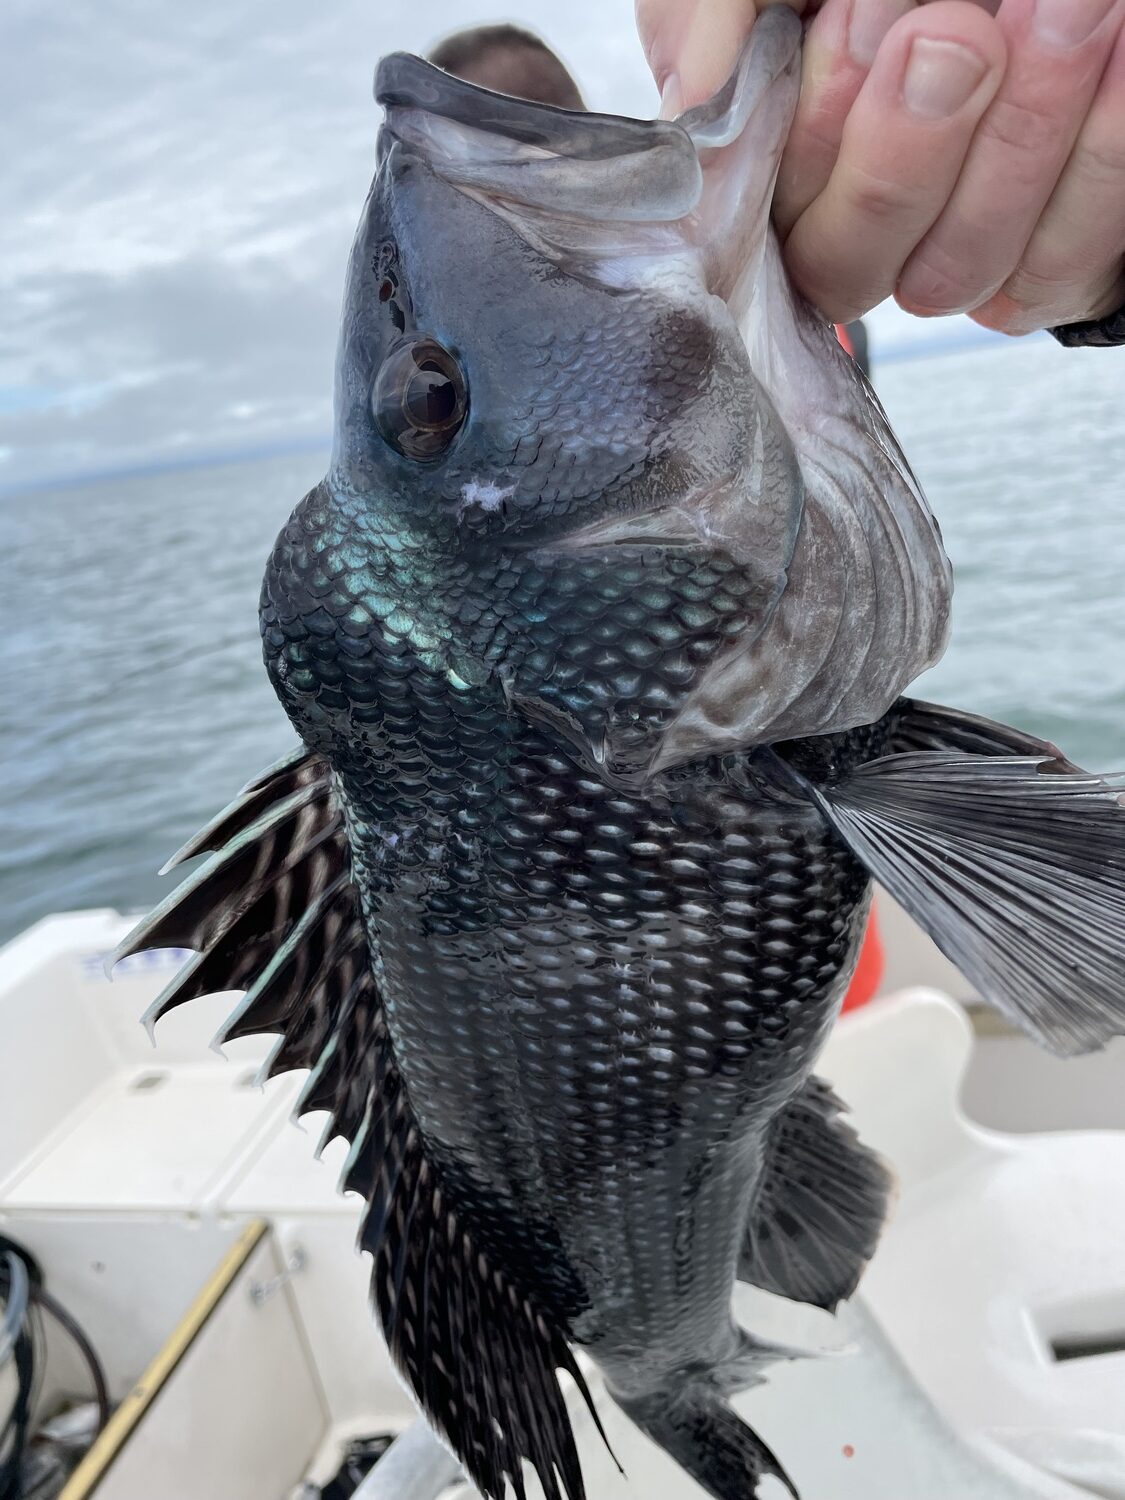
(530, 160)
(592, 167)
(404, 81)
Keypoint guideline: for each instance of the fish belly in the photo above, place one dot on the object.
(598, 1002)
(598, 999)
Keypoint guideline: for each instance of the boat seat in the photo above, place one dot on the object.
(1001, 1276)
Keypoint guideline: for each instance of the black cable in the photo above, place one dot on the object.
(13, 1247)
(43, 1298)
(14, 1434)
(11, 1472)
(28, 1366)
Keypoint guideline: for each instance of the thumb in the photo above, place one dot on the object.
(692, 46)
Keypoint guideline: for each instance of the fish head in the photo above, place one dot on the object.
(508, 356)
(569, 345)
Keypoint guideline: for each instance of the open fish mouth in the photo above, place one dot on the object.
(593, 166)
(601, 169)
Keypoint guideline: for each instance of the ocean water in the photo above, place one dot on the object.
(135, 702)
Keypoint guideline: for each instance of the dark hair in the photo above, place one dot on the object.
(511, 61)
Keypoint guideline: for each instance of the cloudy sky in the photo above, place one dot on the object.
(178, 187)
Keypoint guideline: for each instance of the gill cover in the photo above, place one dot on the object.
(861, 585)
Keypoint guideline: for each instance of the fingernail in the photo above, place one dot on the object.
(1067, 23)
(869, 23)
(941, 77)
(672, 98)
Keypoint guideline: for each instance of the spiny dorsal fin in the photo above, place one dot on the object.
(274, 912)
(286, 775)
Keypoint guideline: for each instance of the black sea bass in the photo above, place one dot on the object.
(595, 637)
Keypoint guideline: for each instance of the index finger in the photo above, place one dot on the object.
(693, 45)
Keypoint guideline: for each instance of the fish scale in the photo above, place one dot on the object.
(504, 966)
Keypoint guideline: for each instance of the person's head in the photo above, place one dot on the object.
(510, 61)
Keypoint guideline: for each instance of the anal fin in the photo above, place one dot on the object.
(820, 1207)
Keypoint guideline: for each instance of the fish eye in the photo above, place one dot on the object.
(419, 399)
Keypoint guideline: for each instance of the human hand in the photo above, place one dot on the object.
(962, 155)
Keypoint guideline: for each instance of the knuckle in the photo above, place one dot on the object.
(821, 130)
(1102, 162)
(1041, 299)
(936, 282)
(1030, 137)
(1055, 260)
(882, 199)
(1030, 289)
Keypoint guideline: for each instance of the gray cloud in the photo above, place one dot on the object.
(172, 358)
(179, 194)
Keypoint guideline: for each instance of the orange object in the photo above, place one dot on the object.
(869, 965)
(868, 969)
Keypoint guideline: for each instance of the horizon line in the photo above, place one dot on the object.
(899, 352)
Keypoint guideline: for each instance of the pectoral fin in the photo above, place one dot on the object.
(1012, 861)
